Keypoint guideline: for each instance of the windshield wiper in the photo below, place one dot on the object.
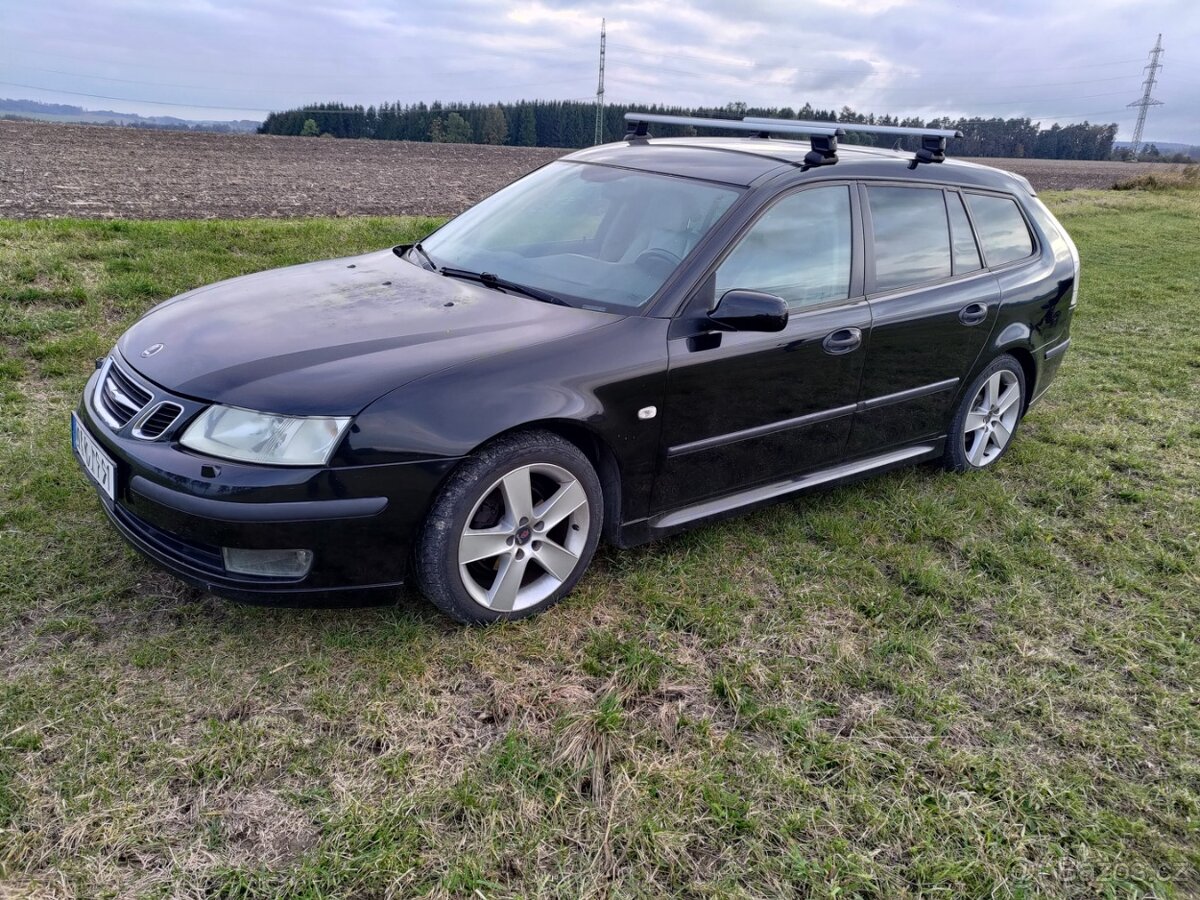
(495, 281)
(429, 259)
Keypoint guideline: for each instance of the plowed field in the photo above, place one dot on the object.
(103, 172)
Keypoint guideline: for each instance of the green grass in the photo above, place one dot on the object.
(918, 685)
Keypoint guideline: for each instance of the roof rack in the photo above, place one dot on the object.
(872, 129)
(933, 140)
(639, 121)
(823, 135)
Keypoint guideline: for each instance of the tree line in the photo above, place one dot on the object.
(571, 123)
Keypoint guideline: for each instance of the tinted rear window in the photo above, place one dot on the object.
(1001, 228)
(912, 237)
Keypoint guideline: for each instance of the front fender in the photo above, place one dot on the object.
(598, 380)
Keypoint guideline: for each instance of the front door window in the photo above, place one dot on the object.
(799, 250)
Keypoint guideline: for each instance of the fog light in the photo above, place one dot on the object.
(268, 563)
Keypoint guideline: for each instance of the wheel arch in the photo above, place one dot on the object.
(1016, 347)
(594, 447)
(1029, 368)
(1015, 339)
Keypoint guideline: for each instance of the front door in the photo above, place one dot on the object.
(747, 408)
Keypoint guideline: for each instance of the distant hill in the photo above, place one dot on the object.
(60, 112)
(1166, 148)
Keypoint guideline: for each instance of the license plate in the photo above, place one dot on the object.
(95, 461)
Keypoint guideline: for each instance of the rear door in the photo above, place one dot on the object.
(933, 305)
(747, 408)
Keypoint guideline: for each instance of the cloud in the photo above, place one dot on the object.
(1041, 58)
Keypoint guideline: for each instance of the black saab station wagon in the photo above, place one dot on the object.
(635, 339)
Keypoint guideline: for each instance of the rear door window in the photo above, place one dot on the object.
(1001, 228)
(912, 236)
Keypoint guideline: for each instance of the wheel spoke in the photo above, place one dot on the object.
(568, 498)
(504, 590)
(992, 390)
(1002, 433)
(518, 495)
(1009, 397)
(483, 543)
(975, 421)
(557, 560)
(979, 448)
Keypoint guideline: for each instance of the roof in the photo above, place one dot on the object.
(746, 161)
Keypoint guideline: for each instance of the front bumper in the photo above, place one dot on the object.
(179, 509)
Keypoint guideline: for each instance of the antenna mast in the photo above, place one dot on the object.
(1147, 101)
(600, 91)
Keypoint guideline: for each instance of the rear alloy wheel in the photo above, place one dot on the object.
(512, 531)
(988, 416)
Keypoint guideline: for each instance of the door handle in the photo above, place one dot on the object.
(973, 314)
(844, 340)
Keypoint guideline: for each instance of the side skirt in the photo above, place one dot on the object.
(633, 533)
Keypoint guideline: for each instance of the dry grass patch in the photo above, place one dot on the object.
(1186, 178)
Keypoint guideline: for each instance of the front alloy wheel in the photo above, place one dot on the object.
(524, 537)
(512, 530)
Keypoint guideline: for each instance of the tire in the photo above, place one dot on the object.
(511, 531)
(987, 417)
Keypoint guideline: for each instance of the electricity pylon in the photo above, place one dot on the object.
(1147, 101)
(600, 92)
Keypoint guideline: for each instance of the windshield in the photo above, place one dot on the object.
(592, 235)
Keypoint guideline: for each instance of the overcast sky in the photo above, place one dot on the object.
(1063, 60)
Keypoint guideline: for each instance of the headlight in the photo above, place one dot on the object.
(250, 436)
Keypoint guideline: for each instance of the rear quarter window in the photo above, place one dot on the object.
(1001, 228)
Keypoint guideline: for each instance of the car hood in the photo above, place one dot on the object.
(327, 338)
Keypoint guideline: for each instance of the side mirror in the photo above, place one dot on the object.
(750, 311)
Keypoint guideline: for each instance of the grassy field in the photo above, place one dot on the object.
(919, 685)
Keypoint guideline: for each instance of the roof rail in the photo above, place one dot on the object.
(823, 135)
(933, 140)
